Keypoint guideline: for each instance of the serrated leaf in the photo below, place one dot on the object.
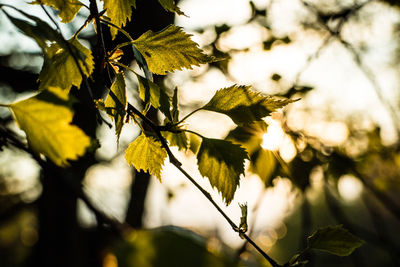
(222, 163)
(119, 11)
(194, 143)
(170, 6)
(177, 139)
(147, 154)
(263, 163)
(60, 69)
(335, 240)
(243, 105)
(68, 8)
(250, 136)
(170, 50)
(151, 93)
(46, 119)
(116, 102)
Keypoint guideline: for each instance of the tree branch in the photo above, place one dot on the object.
(132, 111)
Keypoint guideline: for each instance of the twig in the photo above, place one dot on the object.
(132, 111)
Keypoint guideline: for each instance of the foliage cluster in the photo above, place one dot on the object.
(71, 67)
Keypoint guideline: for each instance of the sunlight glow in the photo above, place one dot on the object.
(274, 136)
(349, 187)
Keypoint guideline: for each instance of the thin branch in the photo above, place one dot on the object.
(132, 111)
(195, 133)
(188, 115)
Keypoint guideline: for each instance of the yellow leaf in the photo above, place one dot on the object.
(222, 163)
(171, 6)
(147, 154)
(68, 8)
(119, 11)
(243, 105)
(170, 50)
(60, 69)
(46, 119)
(151, 93)
(116, 102)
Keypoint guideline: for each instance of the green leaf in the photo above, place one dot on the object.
(119, 11)
(243, 105)
(263, 163)
(40, 31)
(171, 246)
(335, 240)
(177, 139)
(116, 102)
(147, 154)
(60, 69)
(170, 50)
(223, 163)
(151, 92)
(68, 8)
(250, 136)
(46, 119)
(170, 6)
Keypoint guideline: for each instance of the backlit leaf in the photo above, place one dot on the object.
(116, 102)
(335, 240)
(151, 93)
(119, 11)
(60, 69)
(250, 136)
(243, 105)
(177, 139)
(171, 6)
(46, 119)
(147, 154)
(68, 8)
(170, 50)
(263, 163)
(223, 163)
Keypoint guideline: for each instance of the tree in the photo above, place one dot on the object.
(69, 106)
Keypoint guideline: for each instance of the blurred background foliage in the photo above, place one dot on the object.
(335, 152)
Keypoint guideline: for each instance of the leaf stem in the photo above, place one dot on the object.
(188, 115)
(120, 46)
(193, 132)
(118, 28)
(133, 111)
(5, 105)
